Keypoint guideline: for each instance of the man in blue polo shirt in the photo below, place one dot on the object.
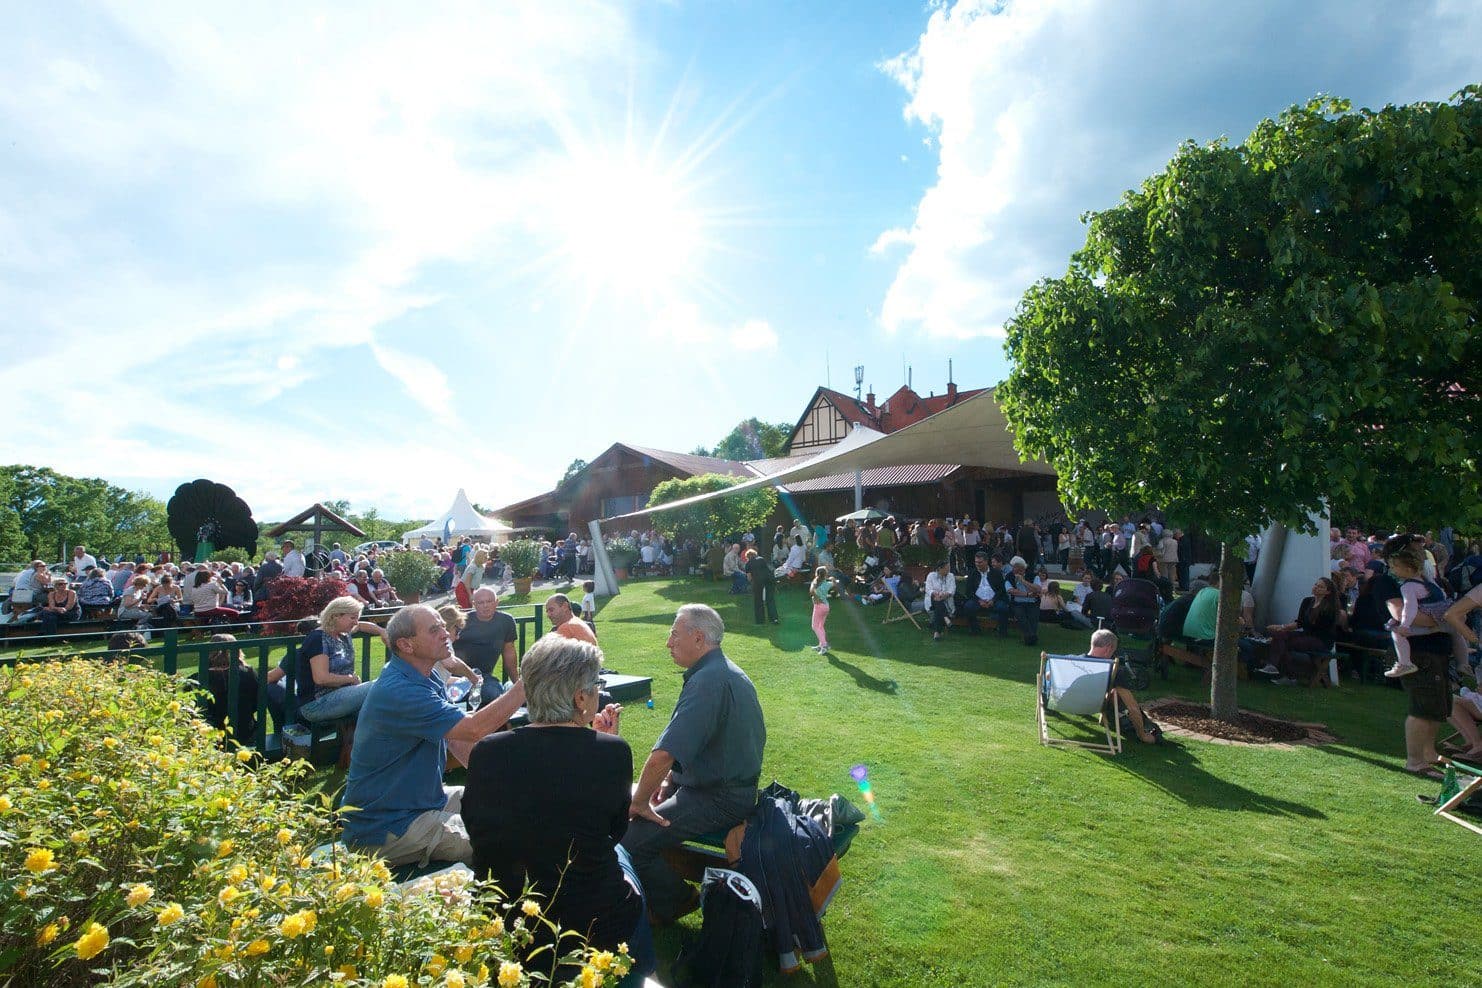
(402, 811)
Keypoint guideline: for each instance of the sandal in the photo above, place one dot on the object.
(1427, 773)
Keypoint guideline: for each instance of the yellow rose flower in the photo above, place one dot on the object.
(298, 924)
(463, 954)
(171, 914)
(5, 804)
(228, 895)
(374, 897)
(348, 972)
(530, 908)
(380, 870)
(43, 783)
(225, 847)
(40, 860)
(602, 960)
(455, 979)
(48, 934)
(22, 760)
(496, 927)
(483, 974)
(590, 977)
(509, 974)
(209, 981)
(139, 894)
(344, 893)
(436, 965)
(257, 947)
(285, 836)
(78, 837)
(244, 755)
(92, 942)
(394, 981)
(237, 875)
(174, 706)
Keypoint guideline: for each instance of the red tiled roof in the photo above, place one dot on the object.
(903, 476)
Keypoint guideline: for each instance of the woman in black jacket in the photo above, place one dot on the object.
(1312, 632)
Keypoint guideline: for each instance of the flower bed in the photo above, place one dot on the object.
(137, 851)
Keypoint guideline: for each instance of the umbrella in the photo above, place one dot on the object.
(864, 514)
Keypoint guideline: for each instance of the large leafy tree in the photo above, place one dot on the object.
(1267, 331)
(751, 439)
(717, 517)
(50, 510)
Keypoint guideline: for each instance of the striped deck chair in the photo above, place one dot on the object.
(1461, 783)
(1077, 686)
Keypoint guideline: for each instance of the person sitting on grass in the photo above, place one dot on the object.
(1104, 646)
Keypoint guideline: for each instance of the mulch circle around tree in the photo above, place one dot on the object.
(1192, 720)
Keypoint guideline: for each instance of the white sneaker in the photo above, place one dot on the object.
(1401, 669)
(1269, 670)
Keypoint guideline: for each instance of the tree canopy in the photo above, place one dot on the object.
(42, 510)
(576, 467)
(1267, 331)
(719, 517)
(752, 439)
(1264, 330)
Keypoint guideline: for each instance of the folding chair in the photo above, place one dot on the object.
(1461, 783)
(894, 605)
(1077, 685)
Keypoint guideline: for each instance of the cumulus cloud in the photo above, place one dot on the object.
(1042, 110)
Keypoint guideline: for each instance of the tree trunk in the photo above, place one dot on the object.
(1222, 705)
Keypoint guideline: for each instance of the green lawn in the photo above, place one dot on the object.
(1001, 861)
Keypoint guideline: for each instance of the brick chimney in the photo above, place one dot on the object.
(870, 401)
(951, 392)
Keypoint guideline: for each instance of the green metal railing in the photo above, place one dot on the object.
(172, 654)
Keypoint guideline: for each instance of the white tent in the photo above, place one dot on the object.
(459, 520)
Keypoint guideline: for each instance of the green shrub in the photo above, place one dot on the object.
(135, 850)
(522, 557)
(410, 571)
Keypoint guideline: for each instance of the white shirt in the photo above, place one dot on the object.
(797, 557)
(937, 583)
(82, 562)
(985, 591)
(293, 563)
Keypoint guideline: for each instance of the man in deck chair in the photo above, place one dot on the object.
(1104, 646)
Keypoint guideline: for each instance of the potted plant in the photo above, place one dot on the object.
(522, 557)
(622, 552)
(411, 572)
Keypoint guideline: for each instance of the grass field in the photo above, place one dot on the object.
(1001, 861)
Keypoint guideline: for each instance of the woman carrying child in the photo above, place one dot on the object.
(1423, 610)
(819, 590)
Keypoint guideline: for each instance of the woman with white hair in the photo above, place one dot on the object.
(546, 805)
(328, 688)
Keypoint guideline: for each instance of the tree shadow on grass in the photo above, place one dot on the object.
(1176, 770)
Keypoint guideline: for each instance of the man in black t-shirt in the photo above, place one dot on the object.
(489, 636)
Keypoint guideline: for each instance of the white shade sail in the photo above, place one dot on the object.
(973, 433)
(459, 520)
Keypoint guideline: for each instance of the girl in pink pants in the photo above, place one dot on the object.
(819, 590)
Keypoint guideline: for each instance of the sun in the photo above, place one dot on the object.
(628, 228)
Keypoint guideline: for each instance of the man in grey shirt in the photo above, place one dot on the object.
(701, 776)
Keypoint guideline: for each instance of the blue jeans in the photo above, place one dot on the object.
(1028, 615)
(337, 704)
(641, 942)
(738, 582)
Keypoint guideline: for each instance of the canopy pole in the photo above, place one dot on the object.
(858, 490)
(606, 580)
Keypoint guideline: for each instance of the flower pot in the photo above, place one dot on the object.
(620, 572)
(522, 585)
(411, 598)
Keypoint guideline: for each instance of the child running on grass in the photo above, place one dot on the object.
(1424, 606)
(589, 605)
(819, 590)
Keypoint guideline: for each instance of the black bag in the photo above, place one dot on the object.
(728, 953)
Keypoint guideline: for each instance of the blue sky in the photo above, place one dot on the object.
(386, 251)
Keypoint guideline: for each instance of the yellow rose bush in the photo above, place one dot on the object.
(138, 851)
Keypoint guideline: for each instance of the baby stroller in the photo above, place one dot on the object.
(1134, 614)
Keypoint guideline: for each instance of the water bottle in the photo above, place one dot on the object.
(650, 703)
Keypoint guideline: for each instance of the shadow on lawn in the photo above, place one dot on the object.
(1175, 770)
(863, 679)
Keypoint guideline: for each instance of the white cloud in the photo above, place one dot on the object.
(754, 335)
(1044, 110)
(681, 323)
